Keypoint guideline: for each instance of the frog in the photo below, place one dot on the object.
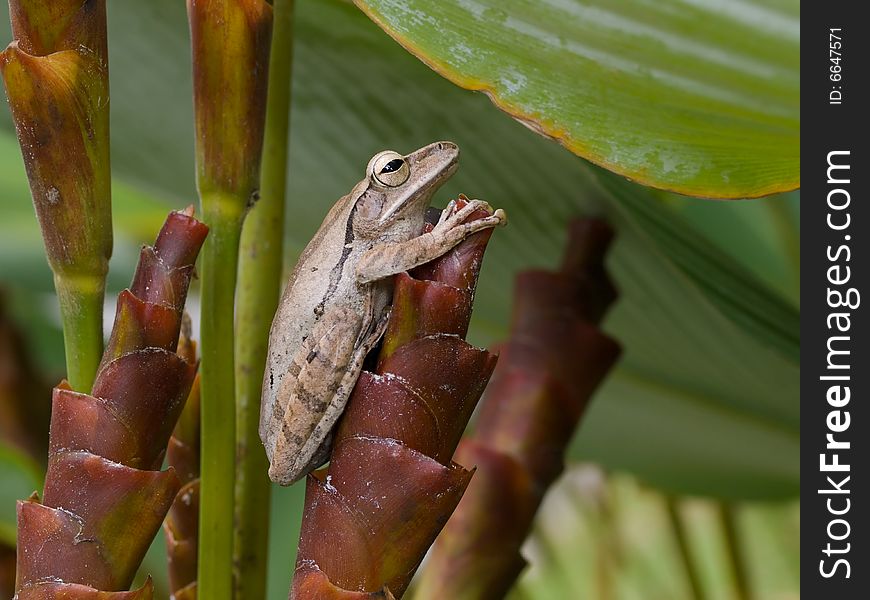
(336, 303)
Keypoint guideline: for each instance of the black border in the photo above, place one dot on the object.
(831, 127)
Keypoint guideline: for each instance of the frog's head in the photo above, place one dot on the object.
(398, 189)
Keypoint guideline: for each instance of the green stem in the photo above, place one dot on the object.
(218, 415)
(81, 311)
(259, 288)
(734, 549)
(682, 539)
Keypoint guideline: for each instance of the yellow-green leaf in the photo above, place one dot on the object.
(696, 96)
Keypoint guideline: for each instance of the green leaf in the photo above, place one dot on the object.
(763, 236)
(20, 476)
(696, 96)
(710, 369)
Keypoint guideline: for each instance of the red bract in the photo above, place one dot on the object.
(104, 499)
(230, 47)
(554, 360)
(181, 527)
(390, 486)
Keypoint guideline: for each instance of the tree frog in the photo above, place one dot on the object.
(335, 306)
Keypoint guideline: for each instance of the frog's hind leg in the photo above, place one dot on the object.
(343, 393)
(328, 364)
(314, 379)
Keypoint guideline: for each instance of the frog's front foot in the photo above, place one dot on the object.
(451, 220)
(501, 215)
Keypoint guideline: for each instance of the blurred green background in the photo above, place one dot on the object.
(704, 408)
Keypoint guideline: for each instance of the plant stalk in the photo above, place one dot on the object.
(81, 311)
(218, 416)
(260, 265)
(678, 528)
(734, 548)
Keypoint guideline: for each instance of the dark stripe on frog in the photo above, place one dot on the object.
(335, 273)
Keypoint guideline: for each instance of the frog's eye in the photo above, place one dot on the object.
(390, 169)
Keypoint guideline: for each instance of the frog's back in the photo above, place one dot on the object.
(302, 301)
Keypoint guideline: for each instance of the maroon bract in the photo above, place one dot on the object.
(391, 485)
(181, 527)
(103, 500)
(554, 360)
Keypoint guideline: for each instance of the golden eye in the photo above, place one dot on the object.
(390, 169)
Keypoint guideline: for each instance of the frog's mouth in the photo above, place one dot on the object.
(430, 166)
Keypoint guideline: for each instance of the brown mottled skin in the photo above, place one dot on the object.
(337, 301)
